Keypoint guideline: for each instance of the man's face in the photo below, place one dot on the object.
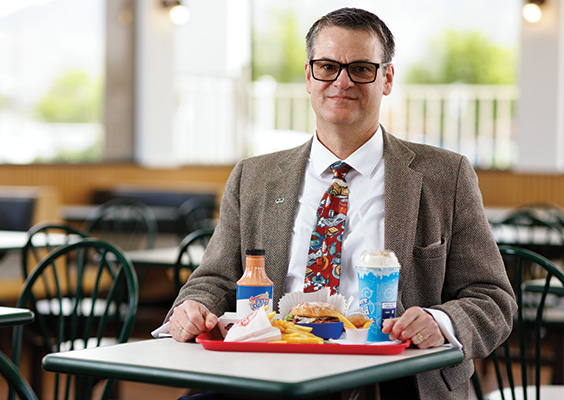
(343, 103)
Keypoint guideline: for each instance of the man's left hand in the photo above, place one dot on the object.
(416, 325)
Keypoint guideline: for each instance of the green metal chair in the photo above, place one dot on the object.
(83, 294)
(548, 212)
(527, 344)
(190, 254)
(51, 235)
(15, 380)
(194, 214)
(127, 223)
(526, 230)
(42, 239)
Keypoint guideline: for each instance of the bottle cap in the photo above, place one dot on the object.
(255, 252)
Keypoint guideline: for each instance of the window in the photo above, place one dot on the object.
(51, 80)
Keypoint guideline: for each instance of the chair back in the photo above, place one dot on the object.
(13, 377)
(525, 229)
(525, 344)
(44, 238)
(547, 212)
(127, 223)
(194, 214)
(191, 250)
(16, 213)
(81, 293)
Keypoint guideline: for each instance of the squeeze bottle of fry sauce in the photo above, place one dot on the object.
(254, 289)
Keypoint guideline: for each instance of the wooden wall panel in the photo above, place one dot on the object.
(509, 189)
(75, 183)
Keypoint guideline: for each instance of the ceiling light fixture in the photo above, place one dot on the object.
(178, 13)
(532, 11)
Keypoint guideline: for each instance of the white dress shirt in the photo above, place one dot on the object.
(365, 213)
(365, 218)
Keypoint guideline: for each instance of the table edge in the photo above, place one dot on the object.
(20, 316)
(318, 386)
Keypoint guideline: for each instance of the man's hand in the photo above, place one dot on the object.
(190, 319)
(417, 325)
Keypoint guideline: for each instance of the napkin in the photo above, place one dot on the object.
(255, 327)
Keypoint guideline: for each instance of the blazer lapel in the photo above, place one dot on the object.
(403, 192)
(282, 196)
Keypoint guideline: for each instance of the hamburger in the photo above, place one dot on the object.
(314, 312)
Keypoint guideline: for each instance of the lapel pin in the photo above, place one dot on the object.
(279, 200)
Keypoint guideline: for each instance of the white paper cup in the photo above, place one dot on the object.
(357, 336)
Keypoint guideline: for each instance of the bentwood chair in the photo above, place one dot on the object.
(527, 230)
(42, 239)
(51, 235)
(195, 213)
(83, 294)
(15, 380)
(191, 250)
(127, 223)
(547, 212)
(517, 362)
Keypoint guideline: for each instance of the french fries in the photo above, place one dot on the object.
(348, 324)
(292, 333)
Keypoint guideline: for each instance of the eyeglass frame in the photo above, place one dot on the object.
(346, 66)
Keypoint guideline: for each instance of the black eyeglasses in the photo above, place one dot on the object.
(358, 71)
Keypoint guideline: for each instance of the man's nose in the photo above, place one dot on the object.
(343, 80)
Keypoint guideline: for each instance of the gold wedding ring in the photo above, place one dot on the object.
(420, 337)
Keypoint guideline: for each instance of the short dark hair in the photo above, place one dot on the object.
(353, 18)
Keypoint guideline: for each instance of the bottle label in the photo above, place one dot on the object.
(251, 298)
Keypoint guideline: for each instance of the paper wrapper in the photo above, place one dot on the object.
(255, 327)
(289, 300)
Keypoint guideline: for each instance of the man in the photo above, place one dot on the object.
(419, 201)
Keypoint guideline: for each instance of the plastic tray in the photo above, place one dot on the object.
(213, 342)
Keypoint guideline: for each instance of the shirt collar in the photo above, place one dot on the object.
(364, 159)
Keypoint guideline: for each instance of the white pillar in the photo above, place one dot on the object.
(214, 45)
(154, 95)
(540, 111)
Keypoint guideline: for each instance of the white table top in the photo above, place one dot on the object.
(11, 240)
(14, 240)
(164, 257)
(165, 361)
(14, 316)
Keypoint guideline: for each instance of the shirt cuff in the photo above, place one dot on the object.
(445, 325)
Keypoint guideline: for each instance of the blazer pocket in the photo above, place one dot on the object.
(432, 251)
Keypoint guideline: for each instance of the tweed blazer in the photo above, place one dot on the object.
(434, 222)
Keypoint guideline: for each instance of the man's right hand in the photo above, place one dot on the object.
(190, 319)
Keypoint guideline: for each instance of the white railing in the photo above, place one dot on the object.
(475, 120)
(217, 122)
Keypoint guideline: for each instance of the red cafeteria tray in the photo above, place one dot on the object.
(211, 342)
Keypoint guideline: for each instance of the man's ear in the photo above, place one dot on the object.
(307, 76)
(389, 79)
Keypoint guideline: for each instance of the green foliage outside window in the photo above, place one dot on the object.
(464, 57)
(280, 51)
(453, 56)
(74, 97)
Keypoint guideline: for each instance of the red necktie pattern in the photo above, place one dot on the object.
(324, 258)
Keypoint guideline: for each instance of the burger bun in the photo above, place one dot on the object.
(315, 309)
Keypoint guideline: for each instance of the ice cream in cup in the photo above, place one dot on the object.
(378, 276)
